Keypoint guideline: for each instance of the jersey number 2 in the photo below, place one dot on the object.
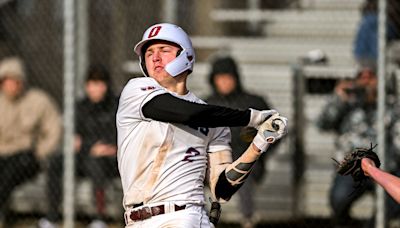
(191, 152)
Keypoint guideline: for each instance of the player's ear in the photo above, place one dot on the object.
(178, 52)
(143, 64)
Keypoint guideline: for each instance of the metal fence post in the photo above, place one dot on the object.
(297, 141)
(380, 210)
(69, 95)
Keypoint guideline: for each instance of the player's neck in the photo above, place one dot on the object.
(177, 85)
(179, 89)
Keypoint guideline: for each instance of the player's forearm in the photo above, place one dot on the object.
(239, 170)
(388, 181)
(236, 173)
(168, 108)
(274, 128)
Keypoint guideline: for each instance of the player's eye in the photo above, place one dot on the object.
(166, 49)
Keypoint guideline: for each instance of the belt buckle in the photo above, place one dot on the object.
(145, 213)
(140, 214)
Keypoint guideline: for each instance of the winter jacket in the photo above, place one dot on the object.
(29, 123)
(96, 121)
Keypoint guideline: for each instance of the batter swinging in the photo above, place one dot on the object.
(170, 142)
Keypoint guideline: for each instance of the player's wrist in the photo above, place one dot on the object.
(255, 148)
(260, 143)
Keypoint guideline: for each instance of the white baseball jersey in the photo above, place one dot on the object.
(161, 161)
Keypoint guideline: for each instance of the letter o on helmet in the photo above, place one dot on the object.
(172, 33)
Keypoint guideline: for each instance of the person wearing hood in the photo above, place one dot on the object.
(95, 145)
(30, 129)
(225, 81)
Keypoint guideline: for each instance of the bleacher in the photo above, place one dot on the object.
(31, 198)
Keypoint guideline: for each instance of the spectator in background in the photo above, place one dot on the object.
(227, 91)
(95, 146)
(365, 45)
(30, 129)
(352, 115)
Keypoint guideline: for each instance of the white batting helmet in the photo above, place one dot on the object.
(172, 33)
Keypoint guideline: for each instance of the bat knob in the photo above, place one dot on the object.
(275, 124)
(278, 125)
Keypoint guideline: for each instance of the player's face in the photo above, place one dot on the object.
(157, 56)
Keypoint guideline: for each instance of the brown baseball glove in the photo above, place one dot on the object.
(351, 164)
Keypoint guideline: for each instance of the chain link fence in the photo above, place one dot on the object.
(294, 53)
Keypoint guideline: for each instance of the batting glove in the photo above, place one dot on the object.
(271, 130)
(258, 117)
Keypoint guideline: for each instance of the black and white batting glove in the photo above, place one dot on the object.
(270, 131)
(258, 117)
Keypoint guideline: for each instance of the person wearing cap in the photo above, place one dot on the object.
(95, 146)
(30, 128)
(227, 90)
(170, 141)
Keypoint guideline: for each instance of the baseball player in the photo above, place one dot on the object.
(170, 142)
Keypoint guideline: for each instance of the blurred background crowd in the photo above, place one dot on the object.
(315, 61)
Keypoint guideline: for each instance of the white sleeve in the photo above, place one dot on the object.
(221, 140)
(137, 93)
(219, 157)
